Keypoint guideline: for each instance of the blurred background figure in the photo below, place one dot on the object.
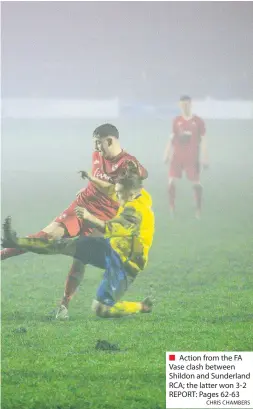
(186, 153)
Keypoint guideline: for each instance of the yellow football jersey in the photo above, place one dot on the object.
(131, 232)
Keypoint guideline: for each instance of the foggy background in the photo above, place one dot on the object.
(138, 52)
(148, 51)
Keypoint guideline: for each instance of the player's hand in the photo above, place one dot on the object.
(130, 168)
(84, 174)
(82, 213)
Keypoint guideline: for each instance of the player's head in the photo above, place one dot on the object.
(106, 139)
(185, 105)
(128, 187)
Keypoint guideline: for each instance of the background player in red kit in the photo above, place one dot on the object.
(108, 161)
(186, 152)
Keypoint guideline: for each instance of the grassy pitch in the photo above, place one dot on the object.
(200, 274)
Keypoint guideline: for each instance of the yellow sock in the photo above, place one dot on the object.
(122, 308)
(35, 244)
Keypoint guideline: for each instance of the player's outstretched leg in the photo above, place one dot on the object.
(54, 230)
(122, 308)
(45, 246)
(198, 194)
(37, 245)
(12, 252)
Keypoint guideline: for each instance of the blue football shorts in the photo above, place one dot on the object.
(98, 252)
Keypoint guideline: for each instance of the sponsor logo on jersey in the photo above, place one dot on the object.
(101, 175)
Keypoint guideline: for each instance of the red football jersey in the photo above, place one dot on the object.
(187, 135)
(108, 170)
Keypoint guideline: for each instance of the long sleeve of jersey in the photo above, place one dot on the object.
(125, 224)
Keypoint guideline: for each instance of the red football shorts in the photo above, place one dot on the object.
(191, 169)
(73, 225)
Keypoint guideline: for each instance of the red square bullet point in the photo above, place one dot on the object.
(172, 357)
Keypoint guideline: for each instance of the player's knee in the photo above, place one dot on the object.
(63, 246)
(54, 230)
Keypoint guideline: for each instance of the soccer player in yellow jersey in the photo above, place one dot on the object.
(122, 252)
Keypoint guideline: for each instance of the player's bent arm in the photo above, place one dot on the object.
(83, 214)
(104, 187)
(125, 224)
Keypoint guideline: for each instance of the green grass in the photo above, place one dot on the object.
(201, 278)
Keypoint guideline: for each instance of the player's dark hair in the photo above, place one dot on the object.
(105, 130)
(130, 181)
(185, 98)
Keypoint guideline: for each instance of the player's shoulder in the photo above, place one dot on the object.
(143, 206)
(140, 207)
(143, 200)
(125, 157)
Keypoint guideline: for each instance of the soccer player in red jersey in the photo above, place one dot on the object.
(109, 160)
(186, 152)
